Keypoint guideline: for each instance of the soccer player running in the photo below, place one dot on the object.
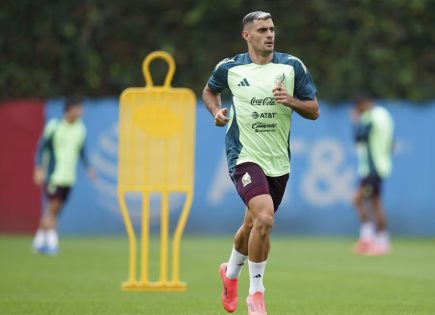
(267, 86)
(374, 133)
(60, 147)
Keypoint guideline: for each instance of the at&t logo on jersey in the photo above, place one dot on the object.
(256, 115)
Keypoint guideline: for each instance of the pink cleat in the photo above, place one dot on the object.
(229, 292)
(378, 250)
(255, 303)
(362, 246)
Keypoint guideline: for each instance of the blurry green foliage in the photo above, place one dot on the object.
(95, 47)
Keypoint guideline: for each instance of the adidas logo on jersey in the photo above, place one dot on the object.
(244, 82)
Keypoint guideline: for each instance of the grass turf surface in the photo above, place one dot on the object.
(303, 277)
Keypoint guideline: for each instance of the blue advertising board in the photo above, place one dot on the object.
(318, 199)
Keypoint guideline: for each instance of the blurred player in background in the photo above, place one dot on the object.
(374, 133)
(61, 146)
(267, 86)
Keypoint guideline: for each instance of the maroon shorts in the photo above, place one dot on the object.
(57, 192)
(250, 181)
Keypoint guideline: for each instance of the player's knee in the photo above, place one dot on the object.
(246, 229)
(263, 222)
(377, 204)
(54, 207)
(357, 200)
(248, 225)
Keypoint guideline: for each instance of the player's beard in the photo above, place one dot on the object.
(267, 50)
(268, 47)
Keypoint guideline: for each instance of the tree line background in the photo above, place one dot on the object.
(96, 48)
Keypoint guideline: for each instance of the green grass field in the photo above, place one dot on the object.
(303, 276)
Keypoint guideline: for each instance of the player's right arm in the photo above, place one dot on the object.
(214, 105)
(38, 173)
(211, 94)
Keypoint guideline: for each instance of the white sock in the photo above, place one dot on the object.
(235, 264)
(52, 238)
(367, 231)
(256, 275)
(383, 238)
(39, 239)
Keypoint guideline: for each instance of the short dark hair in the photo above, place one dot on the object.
(256, 15)
(72, 101)
(361, 97)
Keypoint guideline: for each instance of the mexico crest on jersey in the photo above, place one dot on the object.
(280, 77)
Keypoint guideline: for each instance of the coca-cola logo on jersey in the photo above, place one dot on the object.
(267, 101)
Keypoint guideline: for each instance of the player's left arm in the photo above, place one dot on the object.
(85, 160)
(304, 101)
(308, 109)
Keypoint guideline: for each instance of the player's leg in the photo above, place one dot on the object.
(47, 231)
(262, 208)
(38, 242)
(379, 214)
(271, 202)
(367, 229)
(382, 244)
(49, 219)
(230, 271)
(240, 249)
(358, 201)
(49, 224)
(262, 212)
(250, 181)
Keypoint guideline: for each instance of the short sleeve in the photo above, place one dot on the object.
(219, 78)
(305, 89)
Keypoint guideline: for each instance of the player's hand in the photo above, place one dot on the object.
(281, 95)
(220, 118)
(38, 176)
(92, 174)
